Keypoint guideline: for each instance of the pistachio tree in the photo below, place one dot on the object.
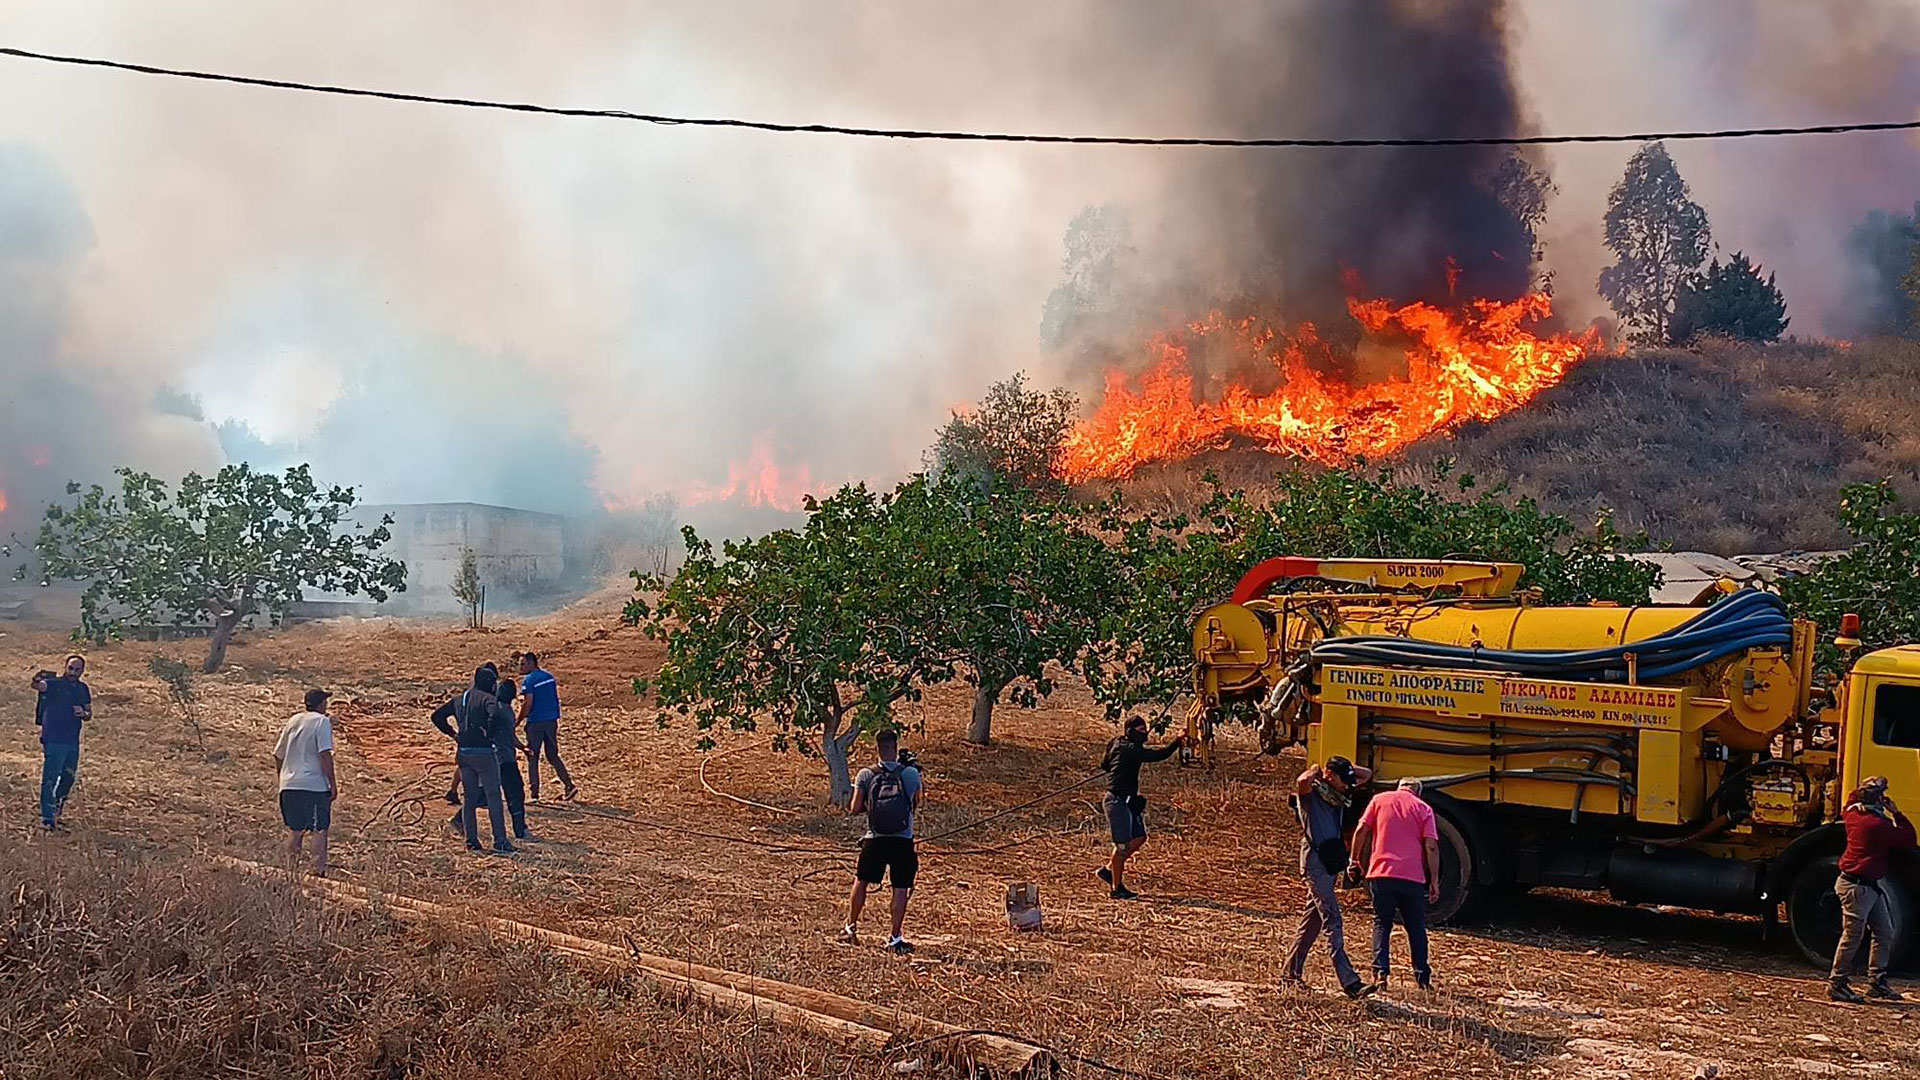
(813, 631)
(210, 551)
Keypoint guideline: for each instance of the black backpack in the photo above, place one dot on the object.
(889, 807)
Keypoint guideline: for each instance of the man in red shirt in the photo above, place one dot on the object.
(1875, 830)
(1398, 844)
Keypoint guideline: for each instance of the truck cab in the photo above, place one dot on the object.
(1881, 735)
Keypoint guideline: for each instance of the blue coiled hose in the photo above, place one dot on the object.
(1747, 619)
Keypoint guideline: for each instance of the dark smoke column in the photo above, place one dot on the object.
(1387, 68)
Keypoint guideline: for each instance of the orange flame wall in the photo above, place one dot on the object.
(1470, 363)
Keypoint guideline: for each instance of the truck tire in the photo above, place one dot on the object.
(1460, 895)
(1813, 911)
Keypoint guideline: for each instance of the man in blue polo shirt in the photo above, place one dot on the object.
(65, 703)
(540, 719)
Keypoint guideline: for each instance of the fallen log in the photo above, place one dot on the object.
(724, 998)
(784, 1003)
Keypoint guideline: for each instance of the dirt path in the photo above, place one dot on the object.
(1178, 983)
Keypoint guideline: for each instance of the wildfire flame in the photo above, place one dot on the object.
(759, 480)
(1470, 363)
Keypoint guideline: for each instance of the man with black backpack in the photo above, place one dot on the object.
(1320, 800)
(888, 793)
(472, 721)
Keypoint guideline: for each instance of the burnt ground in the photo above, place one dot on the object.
(1179, 983)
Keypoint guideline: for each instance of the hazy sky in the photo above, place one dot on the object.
(615, 309)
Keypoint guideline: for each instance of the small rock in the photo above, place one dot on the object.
(1818, 1038)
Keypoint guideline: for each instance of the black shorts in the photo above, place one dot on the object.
(890, 856)
(306, 811)
(1124, 822)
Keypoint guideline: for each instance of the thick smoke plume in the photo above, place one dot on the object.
(432, 304)
(1400, 219)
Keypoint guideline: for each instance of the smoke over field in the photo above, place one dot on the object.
(561, 315)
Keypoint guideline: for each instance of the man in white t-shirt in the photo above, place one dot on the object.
(304, 755)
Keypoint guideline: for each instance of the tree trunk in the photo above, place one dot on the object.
(223, 628)
(980, 731)
(835, 746)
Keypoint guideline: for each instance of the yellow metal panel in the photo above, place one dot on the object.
(1338, 732)
(1659, 783)
(1514, 627)
(1229, 635)
(1471, 578)
(1469, 695)
(1594, 627)
(1901, 661)
(1862, 757)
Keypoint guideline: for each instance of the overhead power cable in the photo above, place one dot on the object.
(957, 136)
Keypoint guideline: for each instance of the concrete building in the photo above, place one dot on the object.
(520, 553)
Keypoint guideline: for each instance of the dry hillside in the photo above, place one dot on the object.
(1726, 447)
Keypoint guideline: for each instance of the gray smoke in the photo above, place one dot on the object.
(1790, 203)
(433, 304)
(60, 419)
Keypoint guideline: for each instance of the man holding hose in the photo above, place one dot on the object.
(1126, 807)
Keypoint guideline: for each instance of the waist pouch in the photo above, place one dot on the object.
(1332, 854)
(1137, 803)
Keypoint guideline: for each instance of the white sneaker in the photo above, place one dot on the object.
(900, 945)
(849, 934)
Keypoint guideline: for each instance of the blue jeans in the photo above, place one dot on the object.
(1321, 917)
(1405, 901)
(56, 779)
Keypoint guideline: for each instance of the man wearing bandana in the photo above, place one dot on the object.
(1126, 807)
(1321, 797)
(1876, 829)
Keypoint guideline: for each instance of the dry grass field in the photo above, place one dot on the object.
(127, 952)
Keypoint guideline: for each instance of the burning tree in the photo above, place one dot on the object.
(1473, 362)
(216, 549)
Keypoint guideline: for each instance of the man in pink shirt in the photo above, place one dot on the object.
(1398, 845)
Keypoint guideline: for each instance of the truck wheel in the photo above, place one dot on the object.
(1460, 895)
(1813, 911)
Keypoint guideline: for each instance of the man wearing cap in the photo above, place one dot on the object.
(1320, 799)
(1876, 830)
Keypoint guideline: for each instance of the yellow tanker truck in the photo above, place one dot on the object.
(1670, 755)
